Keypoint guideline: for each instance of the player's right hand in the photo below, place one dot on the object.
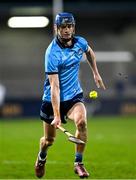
(56, 122)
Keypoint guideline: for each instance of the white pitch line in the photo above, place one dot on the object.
(48, 162)
(13, 162)
(62, 162)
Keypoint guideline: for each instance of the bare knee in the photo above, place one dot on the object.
(81, 131)
(81, 126)
(47, 141)
(81, 123)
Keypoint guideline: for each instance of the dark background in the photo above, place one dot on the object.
(109, 26)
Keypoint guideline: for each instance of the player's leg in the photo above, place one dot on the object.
(78, 114)
(45, 142)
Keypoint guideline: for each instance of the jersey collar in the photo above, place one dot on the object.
(61, 45)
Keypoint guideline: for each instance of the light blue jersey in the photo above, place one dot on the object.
(64, 62)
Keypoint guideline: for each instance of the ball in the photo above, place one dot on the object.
(93, 94)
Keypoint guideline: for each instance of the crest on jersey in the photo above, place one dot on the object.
(80, 51)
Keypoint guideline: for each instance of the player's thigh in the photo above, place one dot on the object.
(77, 112)
(49, 131)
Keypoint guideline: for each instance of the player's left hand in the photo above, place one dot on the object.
(99, 82)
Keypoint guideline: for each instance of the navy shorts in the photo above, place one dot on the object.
(46, 111)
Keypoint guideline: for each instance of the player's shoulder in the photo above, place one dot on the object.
(52, 50)
(82, 42)
(52, 46)
(80, 39)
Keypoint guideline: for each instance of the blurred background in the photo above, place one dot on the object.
(109, 27)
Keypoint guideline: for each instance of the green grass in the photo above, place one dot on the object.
(110, 152)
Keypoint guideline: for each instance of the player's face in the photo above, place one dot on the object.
(66, 31)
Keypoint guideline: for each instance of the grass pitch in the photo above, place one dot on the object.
(110, 152)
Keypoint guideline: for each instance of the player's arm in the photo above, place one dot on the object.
(55, 98)
(91, 59)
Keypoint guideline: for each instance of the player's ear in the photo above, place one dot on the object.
(74, 30)
(55, 29)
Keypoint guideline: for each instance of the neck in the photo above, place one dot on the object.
(65, 42)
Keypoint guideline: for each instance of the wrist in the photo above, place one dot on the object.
(56, 116)
(96, 73)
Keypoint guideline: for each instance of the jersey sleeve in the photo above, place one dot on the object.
(51, 63)
(84, 44)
